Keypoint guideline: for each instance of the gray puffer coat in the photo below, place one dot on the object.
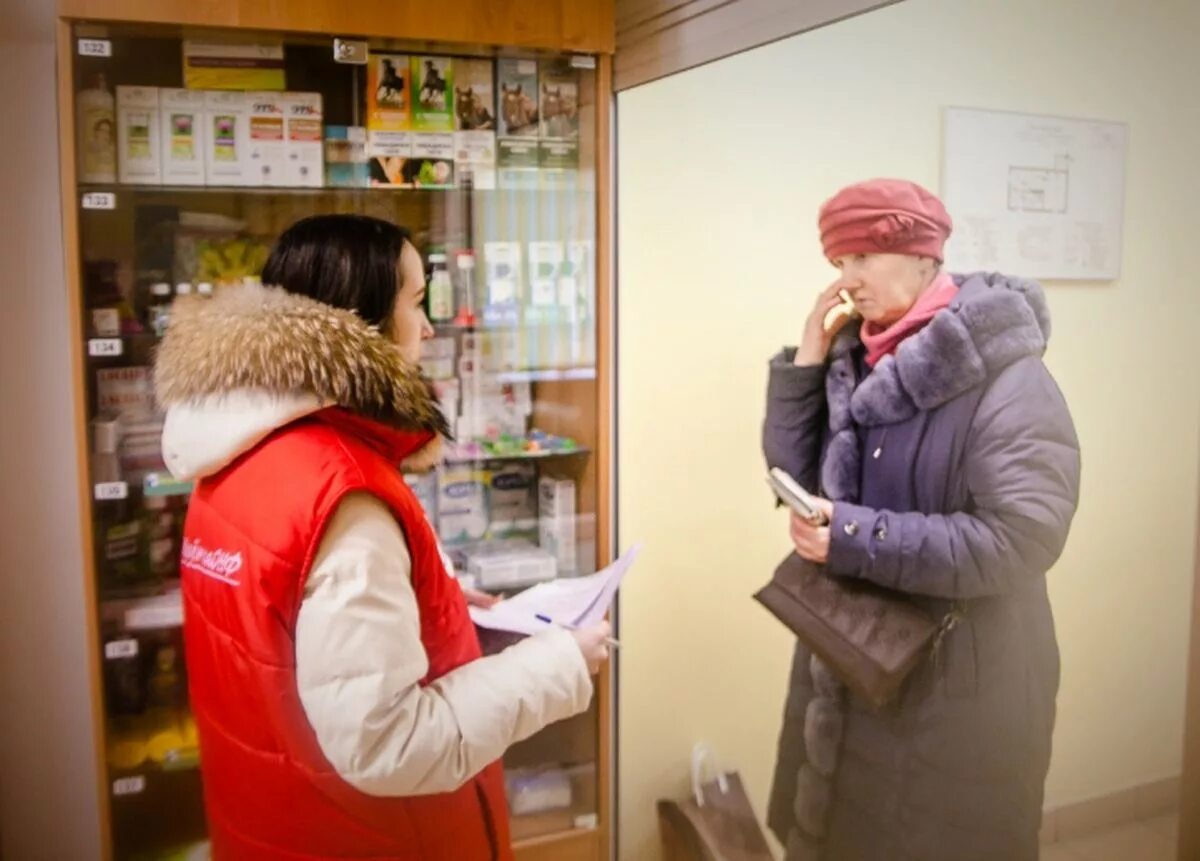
(954, 466)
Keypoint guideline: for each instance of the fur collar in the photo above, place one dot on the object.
(268, 340)
(994, 321)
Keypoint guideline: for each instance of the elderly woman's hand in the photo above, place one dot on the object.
(816, 341)
(812, 541)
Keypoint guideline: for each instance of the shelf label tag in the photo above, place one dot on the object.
(99, 200)
(95, 48)
(129, 785)
(110, 490)
(103, 347)
(117, 649)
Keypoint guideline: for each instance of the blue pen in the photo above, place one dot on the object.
(612, 643)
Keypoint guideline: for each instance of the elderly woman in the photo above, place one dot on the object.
(949, 470)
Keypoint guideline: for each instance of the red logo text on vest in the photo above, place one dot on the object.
(218, 564)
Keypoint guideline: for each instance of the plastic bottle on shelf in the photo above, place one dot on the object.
(96, 131)
(464, 261)
(159, 313)
(106, 445)
(441, 290)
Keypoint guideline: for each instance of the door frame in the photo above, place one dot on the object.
(1189, 798)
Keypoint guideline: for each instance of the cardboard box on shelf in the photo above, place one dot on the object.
(556, 522)
(512, 500)
(268, 157)
(233, 65)
(433, 94)
(139, 157)
(508, 564)
(475, 122)
(227, 139)
(305, 158)
(389, 119)
(182, 127)
(346, 157)
(125, 392)
(462, 504)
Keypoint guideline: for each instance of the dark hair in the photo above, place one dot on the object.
(347, 261)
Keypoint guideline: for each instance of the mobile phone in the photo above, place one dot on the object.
(837, 312)
(795, 496)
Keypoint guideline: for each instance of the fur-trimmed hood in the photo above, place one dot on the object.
(236, 367)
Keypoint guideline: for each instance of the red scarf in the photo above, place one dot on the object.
(882, 342)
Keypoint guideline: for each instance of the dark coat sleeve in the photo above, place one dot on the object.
(795, 419)
(1022, 472)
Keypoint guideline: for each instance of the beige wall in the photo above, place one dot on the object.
(721, 172)
(48, 805)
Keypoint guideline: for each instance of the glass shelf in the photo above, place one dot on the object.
(456, 456)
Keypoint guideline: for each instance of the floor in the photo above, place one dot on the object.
(1149, 840)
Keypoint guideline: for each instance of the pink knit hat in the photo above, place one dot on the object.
(884, 216)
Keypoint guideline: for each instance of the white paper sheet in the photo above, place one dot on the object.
(572, 602)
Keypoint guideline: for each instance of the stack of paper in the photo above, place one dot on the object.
(573, 602)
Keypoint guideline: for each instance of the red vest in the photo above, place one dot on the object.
(252, 532)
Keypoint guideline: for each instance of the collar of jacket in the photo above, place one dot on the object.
(269, 340)
(992, 322)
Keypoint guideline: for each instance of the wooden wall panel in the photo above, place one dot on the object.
(570, 25)
(656, 38)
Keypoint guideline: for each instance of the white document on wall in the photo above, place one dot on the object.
(572, 602)
(1034, 196)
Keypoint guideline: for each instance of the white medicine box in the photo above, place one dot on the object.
(181, 129)
(268, 151)
(139, 160)
(556, 522)
(227, 138)
(304, 115)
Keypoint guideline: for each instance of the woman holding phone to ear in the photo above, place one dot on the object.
(944, 458)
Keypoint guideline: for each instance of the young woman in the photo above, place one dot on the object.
(344, 710)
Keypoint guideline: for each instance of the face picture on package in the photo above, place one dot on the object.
(560, 111)
(102, 133)
(474, 96)
(519, 111)
(518, 81)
